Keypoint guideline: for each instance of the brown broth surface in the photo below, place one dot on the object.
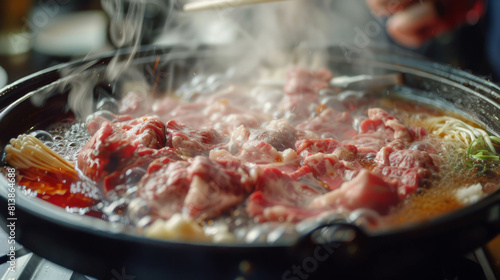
(433, 200)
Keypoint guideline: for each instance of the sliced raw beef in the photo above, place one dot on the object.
(281, 154)
(225, 117)
(280, 134)
(378, 131)
(279, 197)
(259, 153)
(144, 158)
(331, 162)
(380, 119)
(408, 179)
(95, 121)
(165, 186)
(165, 106)
(115, 146)
(330, 124)
(215, 187)
(405, 158)
(189, 114)
(200, 187)
(418, 132)
(330, 170)
(410, 168)
(302, 90)
(134, 103)
(192, 142)
(302, 81)
(238, 137)
(367, 190)
(310, 147)
(223, 112)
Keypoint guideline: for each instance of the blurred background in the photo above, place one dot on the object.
(36, 34)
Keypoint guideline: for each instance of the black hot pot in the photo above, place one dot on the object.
(101, 249)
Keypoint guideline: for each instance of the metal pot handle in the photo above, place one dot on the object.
(338, 238)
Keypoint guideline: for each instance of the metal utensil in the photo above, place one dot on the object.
(221, 4)
(359, 82)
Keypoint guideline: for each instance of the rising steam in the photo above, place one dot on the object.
(267, 37)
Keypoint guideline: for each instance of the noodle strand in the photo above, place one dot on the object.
(452, 128)
(27, 152)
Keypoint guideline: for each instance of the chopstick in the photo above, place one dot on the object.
(201, 5)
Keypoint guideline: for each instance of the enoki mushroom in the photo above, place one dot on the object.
(454, 129)
(27, 152)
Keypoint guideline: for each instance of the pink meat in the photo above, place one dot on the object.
(227, 148)
(134, 103)
(189, 114)
(192, 142)
(302, 90)
(215, 187)
(369, 143)
(280, 134)
(165, 106)
(97, 121)
(301, 106)
(411, 159)
(115, 146)
(302, 81)
(418, 132)
(223, 111)
(199, 187)
(380, 119)
(408, 179)
(259, 153)
(409, 168)
(379, 131)
(330, 170)
(225, 116)
(330, 124)
(143, 159)
(228, 123)
(239, 136)
(367, 190)
(165, 186)
(279, 197)
(310, 147)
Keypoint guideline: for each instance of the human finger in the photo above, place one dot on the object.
(415, 25)
(385, 8)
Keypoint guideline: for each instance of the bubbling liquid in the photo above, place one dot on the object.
(122, 204)
(66, 138)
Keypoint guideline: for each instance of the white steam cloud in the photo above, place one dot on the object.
(268, 36)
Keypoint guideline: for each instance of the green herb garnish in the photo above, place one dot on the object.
(483, 153)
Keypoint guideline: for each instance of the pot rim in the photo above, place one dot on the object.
(428, 69)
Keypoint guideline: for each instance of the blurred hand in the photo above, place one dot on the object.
(413, 22)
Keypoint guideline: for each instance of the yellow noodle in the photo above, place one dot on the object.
(452, 128)
(29, 152)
